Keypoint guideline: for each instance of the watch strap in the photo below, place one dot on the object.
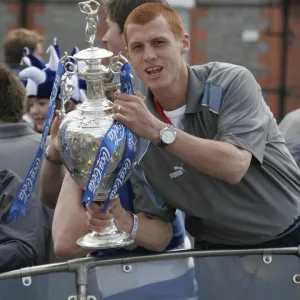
(161, 143)
(48, 157)
(135, 224)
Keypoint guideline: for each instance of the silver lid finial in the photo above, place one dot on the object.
(92, 19)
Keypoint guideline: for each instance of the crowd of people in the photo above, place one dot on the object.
(212, 159)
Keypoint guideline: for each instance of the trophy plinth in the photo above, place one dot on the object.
(82, 131)
(109, 238)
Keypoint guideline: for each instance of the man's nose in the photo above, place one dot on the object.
(149, 53)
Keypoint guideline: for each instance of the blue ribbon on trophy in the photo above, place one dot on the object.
(26, 189)
(109, 144)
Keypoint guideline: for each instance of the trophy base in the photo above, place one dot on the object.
(97, 240)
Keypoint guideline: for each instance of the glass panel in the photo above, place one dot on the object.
(231, 277)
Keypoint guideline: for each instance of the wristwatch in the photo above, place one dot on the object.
(48, 157)
(166, 136)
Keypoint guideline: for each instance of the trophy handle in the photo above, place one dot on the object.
(66, 85)
(114, 67)
(116, 63)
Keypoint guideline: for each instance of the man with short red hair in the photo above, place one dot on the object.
(209, 144)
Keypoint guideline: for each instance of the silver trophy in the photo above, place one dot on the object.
(83, 129)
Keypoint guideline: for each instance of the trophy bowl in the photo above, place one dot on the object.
(82, 130)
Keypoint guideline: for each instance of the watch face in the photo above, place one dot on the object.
(168, 136)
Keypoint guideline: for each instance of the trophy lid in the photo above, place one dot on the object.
(92, 54)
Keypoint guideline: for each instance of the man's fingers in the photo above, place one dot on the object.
(96, 225)
(119, 108)
(55, 125)
(112, 203)
(98, 215)
(122, 119)
(127, 97)
(97, 221)
(115, 206)
(95, 228)
(95, 207)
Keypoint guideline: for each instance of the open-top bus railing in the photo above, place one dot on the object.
(82, 267)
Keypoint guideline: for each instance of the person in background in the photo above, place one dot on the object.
(51, 174)
(28, 241)
(66, 232)
(116, 11)
(18, 141)
(40, 79)
(13, 48)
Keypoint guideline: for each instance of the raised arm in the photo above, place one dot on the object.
(52, 173)
(219, 159)
(71, 222)
(240, 135)
(152, 234)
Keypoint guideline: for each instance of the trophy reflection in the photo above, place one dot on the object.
(82, 130)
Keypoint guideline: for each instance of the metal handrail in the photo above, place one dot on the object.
(82, 266)
(72, 265)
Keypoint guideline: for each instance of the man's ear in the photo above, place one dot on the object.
(186, 43)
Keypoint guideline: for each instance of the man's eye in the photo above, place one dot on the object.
(159, 43)
(135, 47)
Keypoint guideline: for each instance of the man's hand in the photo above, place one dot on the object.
(54, 130)
(54, 148)
(97, 220)
(133, 113)
(51, 175)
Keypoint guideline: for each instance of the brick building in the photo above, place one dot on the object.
(263, 35)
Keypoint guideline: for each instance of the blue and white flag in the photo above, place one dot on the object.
(26, 189)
